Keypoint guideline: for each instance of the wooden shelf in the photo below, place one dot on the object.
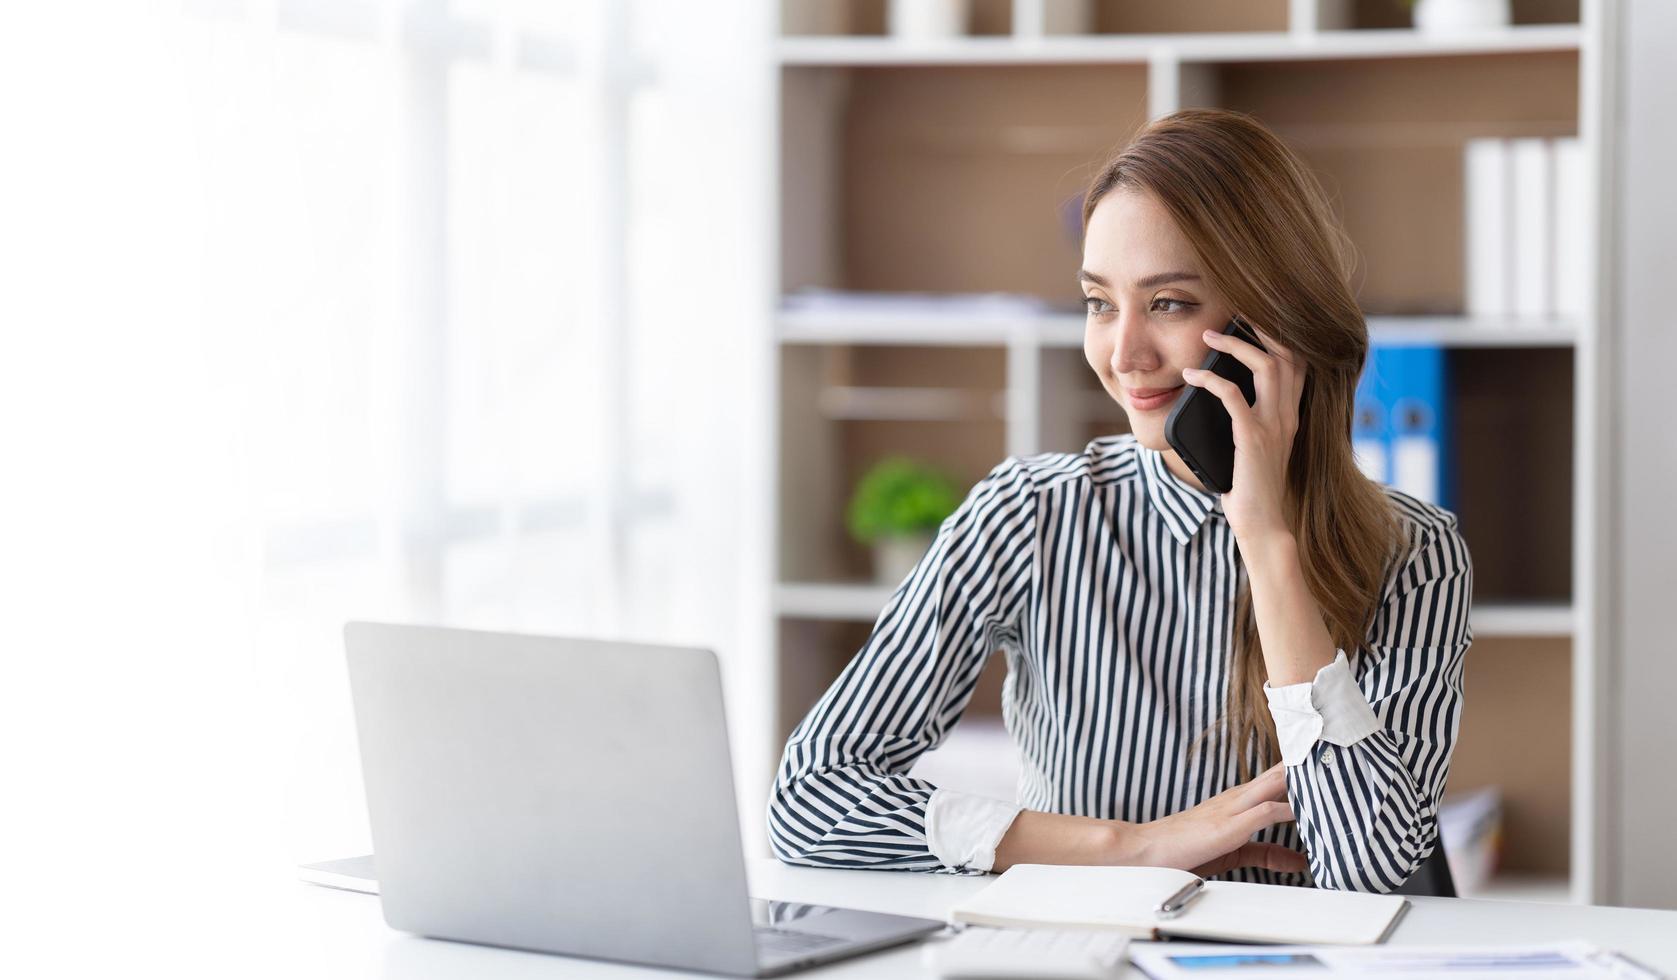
(960, 330)
(856, 403)
(1142, 48)
(863, 602)
(842, 601)
(1444, 331)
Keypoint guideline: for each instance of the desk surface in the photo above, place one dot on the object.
(352, 940)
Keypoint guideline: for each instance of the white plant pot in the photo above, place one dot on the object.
(894, 557)
(1453, 16)
(921, 19)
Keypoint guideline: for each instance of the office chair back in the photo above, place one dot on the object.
(1432, 877)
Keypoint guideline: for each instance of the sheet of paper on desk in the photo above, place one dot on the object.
(1561, 961)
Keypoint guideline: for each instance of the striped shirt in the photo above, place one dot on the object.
(1110, 586)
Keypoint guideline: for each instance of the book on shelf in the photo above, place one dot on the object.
(1489, 237)
(1401, 434)
(1470, 830)
(1571, 232)
(1529, 195)
(1526, 205)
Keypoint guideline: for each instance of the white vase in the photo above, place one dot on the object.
(1451, 16)
(896, 555)
(921, 19)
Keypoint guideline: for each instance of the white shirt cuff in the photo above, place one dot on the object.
(963, 829)
(1331, 708)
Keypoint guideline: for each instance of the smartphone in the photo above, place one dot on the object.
(1200, 429)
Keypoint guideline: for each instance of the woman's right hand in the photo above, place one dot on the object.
(1216, 835)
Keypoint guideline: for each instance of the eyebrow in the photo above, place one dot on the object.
(1159, 279)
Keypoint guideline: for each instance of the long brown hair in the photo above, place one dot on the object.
(1268, 241)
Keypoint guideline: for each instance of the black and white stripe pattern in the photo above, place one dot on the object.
(1110, 587)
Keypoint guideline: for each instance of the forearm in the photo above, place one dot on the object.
(1296, 641)
(1366, 787)
(848, 817)
(1364, 821)
(1036, 837)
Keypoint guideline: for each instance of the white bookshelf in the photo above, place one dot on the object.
(1066, 330)
(863, 602)
(1027, 408)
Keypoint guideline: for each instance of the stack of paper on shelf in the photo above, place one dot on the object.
(1470, 826)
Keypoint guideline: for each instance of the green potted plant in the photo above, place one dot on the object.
(897, 507)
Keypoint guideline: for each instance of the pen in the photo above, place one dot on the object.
(1172, 907)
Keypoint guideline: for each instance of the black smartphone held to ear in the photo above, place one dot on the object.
(1200, 429)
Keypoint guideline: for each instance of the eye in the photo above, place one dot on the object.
(1176, 305)
(1094, 305)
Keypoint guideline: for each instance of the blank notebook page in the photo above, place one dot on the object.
(1076, 894)
(1127, 897)
(1282, 913)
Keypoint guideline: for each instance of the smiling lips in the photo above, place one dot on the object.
(1147, 399)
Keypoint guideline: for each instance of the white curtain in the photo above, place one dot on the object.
(449, 312)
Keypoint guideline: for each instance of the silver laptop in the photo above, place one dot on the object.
(571, 796)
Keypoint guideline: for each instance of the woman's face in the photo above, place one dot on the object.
(1147, 308)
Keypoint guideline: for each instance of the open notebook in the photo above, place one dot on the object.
(1127, 899)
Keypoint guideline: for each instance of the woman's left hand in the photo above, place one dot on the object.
(1263, 433)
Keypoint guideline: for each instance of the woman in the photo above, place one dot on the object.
(1196, 681)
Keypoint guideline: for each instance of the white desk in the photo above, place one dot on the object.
(351, 939)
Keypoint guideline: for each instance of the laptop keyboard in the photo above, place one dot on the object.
(772, 940)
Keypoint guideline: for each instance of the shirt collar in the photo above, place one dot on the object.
(1183, 508)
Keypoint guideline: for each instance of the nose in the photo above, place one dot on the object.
(1132, 345)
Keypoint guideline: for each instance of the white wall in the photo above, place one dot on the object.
(1642, 853)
